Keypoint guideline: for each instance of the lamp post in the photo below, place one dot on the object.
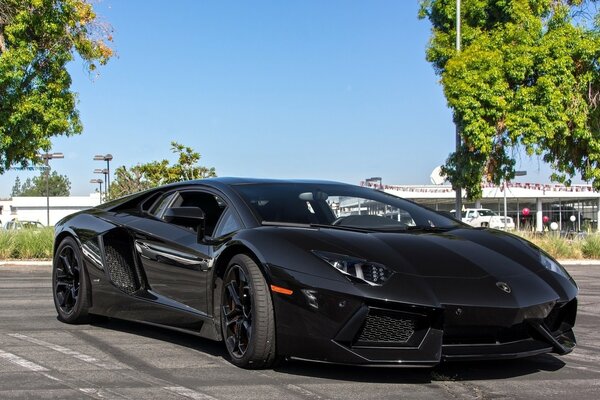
(105, 172)
(99, 181)
(47, 157)
(107, 158)
(517, 173)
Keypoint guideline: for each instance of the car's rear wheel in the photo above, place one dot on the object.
(69, 284)
(247, 319)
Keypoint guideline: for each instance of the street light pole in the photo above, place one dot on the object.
(458, 205)
(47, 157)
(108, 158)
(99, 181)
(105, 172)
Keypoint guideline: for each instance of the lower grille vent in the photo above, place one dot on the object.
(382, 328)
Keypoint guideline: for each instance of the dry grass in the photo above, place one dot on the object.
(579, 247)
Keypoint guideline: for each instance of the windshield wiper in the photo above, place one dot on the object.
(342, 227)
(426, 228)
(302, 225)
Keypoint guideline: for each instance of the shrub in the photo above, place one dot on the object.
(26, 244)
(590, 246)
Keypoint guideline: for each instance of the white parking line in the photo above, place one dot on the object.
(67, 351)
(303, 391)
(101, 394)
(189, 393)
(15, 359)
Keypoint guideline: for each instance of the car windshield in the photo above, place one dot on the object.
(337, 205)
(486, 213)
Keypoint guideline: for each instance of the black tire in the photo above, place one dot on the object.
(69, 283)
(247, 318)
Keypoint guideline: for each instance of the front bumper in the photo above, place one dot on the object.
(349, 330)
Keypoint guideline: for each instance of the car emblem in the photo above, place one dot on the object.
(504, 287)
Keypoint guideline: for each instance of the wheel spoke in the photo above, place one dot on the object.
(238, 334)
(231, 343)
(233, 294)
(60, 284)
(248, 329)
(66, 264)
(64, 298)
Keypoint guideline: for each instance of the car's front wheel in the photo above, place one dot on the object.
(247, 320)
(69, 284)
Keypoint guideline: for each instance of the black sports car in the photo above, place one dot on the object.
(312, 270)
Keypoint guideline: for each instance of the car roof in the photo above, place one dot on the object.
(251, 181)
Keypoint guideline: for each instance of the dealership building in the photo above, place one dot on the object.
(533, 206)
(40, 208)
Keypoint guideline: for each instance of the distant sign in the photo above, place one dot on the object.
(30, 168)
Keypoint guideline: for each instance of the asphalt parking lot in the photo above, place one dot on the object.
(42, 358)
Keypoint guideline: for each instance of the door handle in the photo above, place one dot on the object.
(159, 253)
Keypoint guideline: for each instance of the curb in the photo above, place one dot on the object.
(28, 263)
(579, 262)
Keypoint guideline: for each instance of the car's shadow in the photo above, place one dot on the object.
(163, 334)
(449, 371)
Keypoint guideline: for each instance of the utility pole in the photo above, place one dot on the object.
(458, 205)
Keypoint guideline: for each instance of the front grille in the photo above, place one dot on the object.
(485, 334)
(388, 328)
(119, 270)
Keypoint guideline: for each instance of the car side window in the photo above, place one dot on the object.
(227, 224)
(159, 207)
(209, 203)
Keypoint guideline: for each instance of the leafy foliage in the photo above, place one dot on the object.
(527, 77)
(145, 176)
(37, 39)
(58, 185)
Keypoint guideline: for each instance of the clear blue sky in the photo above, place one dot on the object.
(334, 90)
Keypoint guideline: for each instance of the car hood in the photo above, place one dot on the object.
(458, 253)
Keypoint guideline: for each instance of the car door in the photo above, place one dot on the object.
(175, 263)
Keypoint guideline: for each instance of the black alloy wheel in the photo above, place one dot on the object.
(237, 311)
(247, 320)
(68, 282)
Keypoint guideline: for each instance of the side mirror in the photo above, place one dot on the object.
(192, 217)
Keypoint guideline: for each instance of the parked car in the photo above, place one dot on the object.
(314, 270)
(16, 224)
(486, 218)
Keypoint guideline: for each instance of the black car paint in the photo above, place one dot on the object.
(446, 280)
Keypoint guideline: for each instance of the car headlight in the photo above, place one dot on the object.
(553, 266)
(356, 269)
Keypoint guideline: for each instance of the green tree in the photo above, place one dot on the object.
(16, 189)
(145, 176)
(58, 185)
(37, 40)
(527, 78)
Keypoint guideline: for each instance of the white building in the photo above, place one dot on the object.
(542, 200)
(35, 208)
